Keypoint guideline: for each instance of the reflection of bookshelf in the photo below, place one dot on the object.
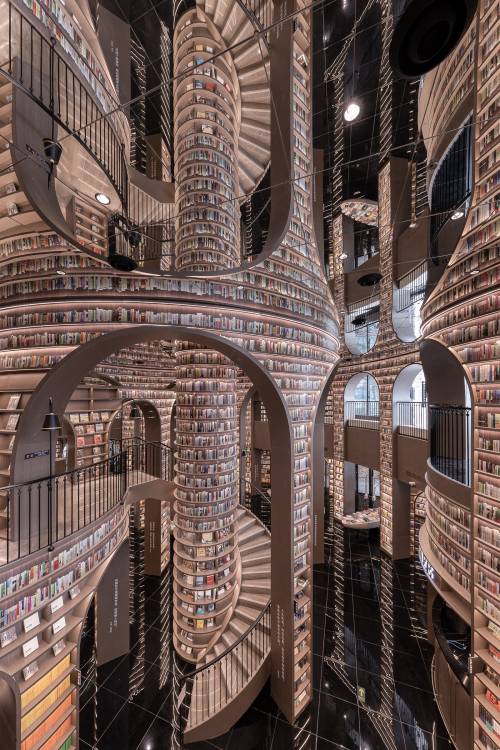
(89, 412)
(89, 225)
(42, 604)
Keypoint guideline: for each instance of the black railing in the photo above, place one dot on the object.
(36, 65)
(452, 181)
(412, 418)
(450, 446)
(39, 513)
(206, 690)
(411, 287)
(362, 414)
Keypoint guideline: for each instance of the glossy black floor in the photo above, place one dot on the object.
(371, 667)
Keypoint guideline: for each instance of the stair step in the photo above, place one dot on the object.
(244, 31)
(252, 544)
(250, 599)
(252, 145)
(253, 91)
(259, 571)
(250, 533)
(237, 625)
(248, 614)
(247, 54)
(256, 129)
(234, 21)
(258, 559)
(254, 74)
(256, 587)
(222, 11)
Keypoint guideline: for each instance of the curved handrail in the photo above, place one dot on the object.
(187, 680)
(45, 76)
(233, 675)
(40, 512)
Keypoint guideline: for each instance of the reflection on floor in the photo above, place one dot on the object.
(371, 667)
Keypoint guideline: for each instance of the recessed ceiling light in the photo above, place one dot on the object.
(61, 273)
(457, 214)
(103, 198)
(343, 256)
(351, 111)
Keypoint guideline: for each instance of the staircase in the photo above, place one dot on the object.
(237, 666)
(251, 61)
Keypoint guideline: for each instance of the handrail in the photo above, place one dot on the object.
(45, 76)
(42, 511)
(409, 288)
(233, 674)
(230, 648)
(450, 441)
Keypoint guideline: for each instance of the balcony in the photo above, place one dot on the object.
(450, 441)
(362, 414)
(412, 419)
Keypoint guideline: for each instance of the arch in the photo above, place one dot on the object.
(355, 381)
(405, 409)
(60, 382)
(456, 389)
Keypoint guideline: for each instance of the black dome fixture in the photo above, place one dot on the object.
(369, 279)
(425, 33)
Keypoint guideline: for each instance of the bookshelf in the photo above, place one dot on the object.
(89, 413)
(43, 600)
(462, 313)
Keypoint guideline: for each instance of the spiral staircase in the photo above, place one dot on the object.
(236, 668)
(251, 61)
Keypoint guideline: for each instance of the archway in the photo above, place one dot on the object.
(361, 400)
(60, 383)
(409, 402)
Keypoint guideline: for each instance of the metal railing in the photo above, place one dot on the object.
(362, 414)
(36, 65)
(450, 444)
(207, 690)
(411, 287)
(412, 418)
(39, 513)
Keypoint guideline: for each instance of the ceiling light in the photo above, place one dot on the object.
(457, 214)
(351, 111)
(103, 198)
(343, 256)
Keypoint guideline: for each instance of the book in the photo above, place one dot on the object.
(14, 401)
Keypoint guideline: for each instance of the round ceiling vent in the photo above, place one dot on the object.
(426, 32)
(369, 279)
